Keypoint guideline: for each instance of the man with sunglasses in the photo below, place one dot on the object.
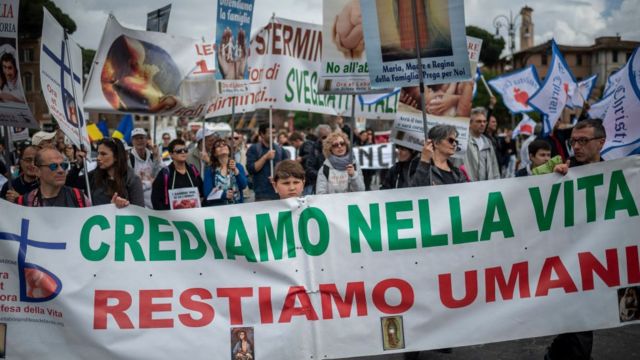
(587, 139)
(52, 172)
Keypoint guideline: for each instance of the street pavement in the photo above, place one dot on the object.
(611, 344)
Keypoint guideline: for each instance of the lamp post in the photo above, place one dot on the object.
(509, 23)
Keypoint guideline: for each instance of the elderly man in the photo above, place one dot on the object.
(587, 139)
(480, 161)
(146, 162)
(52, 172)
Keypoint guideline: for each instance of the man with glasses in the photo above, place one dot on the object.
(52, 172)
(587, 139)
(480, 162)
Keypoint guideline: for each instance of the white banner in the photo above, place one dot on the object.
(433, 262)
(60, 65)
(516, 88)
(284, 65)
(332, 276)
(582, 91)
(150, 72)
(14, 110)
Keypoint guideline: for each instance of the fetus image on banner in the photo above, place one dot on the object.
(242, 344)
(629, 304)
(397, 34)
(347, 30)
(139, 76)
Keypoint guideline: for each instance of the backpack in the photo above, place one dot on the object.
(326, 168)
(78, 196)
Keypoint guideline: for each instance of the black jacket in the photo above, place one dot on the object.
(428, 174)
(399, 175)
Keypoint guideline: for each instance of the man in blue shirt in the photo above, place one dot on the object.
(259, 157)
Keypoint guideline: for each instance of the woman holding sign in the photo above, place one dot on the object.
(339, 173)
(178, 186)
(435, 166)
(224, 180)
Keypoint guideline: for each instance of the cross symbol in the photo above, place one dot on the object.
(64, 69)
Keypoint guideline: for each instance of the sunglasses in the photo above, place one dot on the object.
(181, 151)
(54, 166)
(236, 137)
(338, 144)
(452, 141)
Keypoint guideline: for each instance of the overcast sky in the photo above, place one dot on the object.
(571, 22)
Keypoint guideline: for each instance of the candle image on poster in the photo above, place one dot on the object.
(233, 33)
(392, 43)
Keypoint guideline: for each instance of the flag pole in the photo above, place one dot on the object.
(486, 86)
(420, 74)
(353, 119)
(270, 130)
(80, 118)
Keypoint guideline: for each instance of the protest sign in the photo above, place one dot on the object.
(344, 65)
(308, 277)
(14, 110)
(184, 198)
(553, 95)
(408, 130)
(233, 32)
(61, 80)
(391, 42)
(621, 119)
(284, 65)
(474, 46)
(150, 72)
(377, 156)
(516, 88)
(18, 134)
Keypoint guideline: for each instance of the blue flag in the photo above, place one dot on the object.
(123, 132)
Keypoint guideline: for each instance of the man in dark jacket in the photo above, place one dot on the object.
(259, 157)
(314, 158)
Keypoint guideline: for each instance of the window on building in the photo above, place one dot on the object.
(615, 56)
(28, 82)
(579, 59)
(27, 55)
(543, 59)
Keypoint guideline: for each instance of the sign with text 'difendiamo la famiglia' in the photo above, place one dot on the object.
(412, 269)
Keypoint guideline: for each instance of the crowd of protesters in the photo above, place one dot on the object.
(228, 169)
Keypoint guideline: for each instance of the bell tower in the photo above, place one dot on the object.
(526, 28)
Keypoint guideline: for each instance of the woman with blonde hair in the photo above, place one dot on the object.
(339, 173)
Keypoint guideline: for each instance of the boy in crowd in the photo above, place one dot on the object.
(539, 154)
(288, 181)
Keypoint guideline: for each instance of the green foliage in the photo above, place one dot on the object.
(87, 59)
(31, 14)
(302, 120)
(491, 47)
(482, 99)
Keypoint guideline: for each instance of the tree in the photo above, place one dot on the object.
(491, 47)
(31, 15)
(87, 59)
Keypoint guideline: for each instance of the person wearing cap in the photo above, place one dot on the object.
(195, 158)
(43, 139)
(145, 161)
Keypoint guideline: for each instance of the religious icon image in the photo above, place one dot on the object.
(242, 344)
(392, 333)
(397, 32)
(628, 303)
(3, 340)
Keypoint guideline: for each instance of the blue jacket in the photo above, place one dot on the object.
(241, 180)
(261, 184)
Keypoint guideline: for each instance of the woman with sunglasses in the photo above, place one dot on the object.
(27, 179)
(225, 179)
(178, 175)
(435, 166)
(113, 181)
(339, 173)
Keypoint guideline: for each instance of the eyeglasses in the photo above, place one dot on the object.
(452, 141)
(338, 144)
(54, 166)
(220, 144)
(582, 141)
(236, 138)
(180, 151)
